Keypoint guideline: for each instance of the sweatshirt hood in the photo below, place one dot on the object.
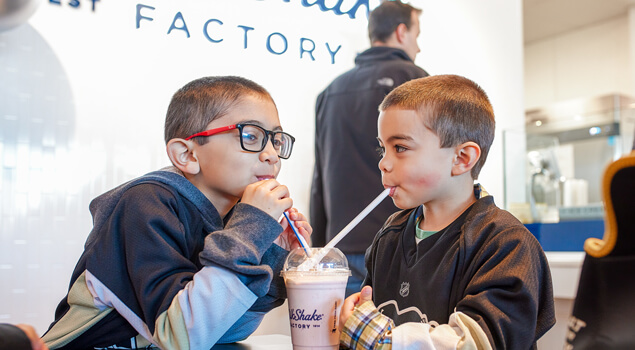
(102, 206)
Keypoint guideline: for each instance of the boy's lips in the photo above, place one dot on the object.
(265, 177)
(392, 190)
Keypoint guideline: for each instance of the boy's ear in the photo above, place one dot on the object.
(181, 153)
(465, 157)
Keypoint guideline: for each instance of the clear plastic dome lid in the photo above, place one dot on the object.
(330, 260)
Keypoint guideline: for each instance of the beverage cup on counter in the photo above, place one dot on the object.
(316, 293)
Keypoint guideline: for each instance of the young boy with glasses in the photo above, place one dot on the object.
(190, 255)
(451, 270)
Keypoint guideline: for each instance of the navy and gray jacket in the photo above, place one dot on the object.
(162, 268)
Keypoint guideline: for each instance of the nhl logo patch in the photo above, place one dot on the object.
(404, 290)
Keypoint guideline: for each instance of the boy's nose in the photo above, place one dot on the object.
(384, 164)
(269, 153)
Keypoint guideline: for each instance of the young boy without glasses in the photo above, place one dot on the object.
(451, 270)
(190, 255)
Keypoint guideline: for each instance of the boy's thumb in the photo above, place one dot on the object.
(366, 295)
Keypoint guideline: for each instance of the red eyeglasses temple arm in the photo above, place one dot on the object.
(212, 131)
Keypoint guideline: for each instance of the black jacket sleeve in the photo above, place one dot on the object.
(317, 212)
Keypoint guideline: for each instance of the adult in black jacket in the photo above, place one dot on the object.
(346, 176)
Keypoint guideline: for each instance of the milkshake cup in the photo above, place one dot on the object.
(316, 293)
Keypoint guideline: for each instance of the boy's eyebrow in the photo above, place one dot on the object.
(259, 123)
(400, 137)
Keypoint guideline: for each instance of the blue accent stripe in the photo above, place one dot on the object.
(566, 236)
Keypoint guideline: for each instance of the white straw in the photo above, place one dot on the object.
(312, 261)
(357, 219)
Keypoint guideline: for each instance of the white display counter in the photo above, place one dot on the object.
(565, 273)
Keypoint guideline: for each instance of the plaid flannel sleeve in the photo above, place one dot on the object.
(367, 328)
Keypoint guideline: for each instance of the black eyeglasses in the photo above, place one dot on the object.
(253, 138)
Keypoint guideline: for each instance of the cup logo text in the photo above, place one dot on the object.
(303, 315)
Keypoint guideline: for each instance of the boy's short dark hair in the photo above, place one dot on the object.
(455, 108)
(203, 100)
(386, 17)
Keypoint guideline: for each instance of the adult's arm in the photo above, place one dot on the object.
(317, 211)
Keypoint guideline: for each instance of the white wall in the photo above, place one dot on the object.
(83, 96)
(590, 62)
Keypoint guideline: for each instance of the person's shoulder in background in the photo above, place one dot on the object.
(20, 337)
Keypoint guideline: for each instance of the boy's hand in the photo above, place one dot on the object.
(269, 196)
(353, 301)
(287, 238)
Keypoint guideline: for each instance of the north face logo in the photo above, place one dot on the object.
(386, 82)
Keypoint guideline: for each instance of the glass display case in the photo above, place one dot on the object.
(554, 168)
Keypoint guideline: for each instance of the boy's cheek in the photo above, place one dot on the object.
(428, 180)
